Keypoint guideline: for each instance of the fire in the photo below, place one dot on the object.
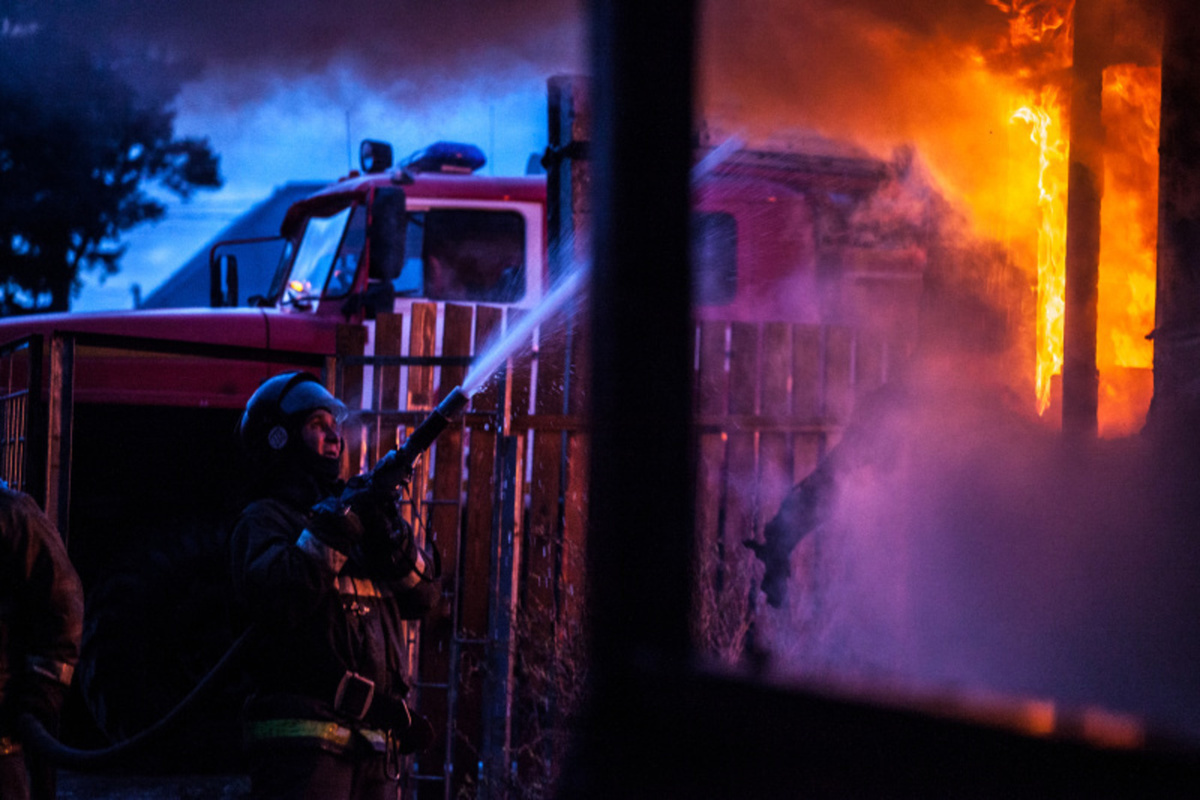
(1128, 225)
(1051, 250)
(1033, 22)
(986, 110)
(1129, 230)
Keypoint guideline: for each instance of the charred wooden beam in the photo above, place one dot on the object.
(1085, 187)
(1177, 302)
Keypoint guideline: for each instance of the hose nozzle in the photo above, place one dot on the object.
(395, 468)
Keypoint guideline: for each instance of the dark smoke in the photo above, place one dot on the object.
(422, 45)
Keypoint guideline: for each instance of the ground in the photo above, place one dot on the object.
(79, 786)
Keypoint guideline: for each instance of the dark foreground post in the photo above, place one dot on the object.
(641, 509)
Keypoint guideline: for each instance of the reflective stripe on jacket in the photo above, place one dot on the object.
(324, 734)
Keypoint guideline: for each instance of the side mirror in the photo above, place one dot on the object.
(386, 238)
(223, 281)
(374, 156)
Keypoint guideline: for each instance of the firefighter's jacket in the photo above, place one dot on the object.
(41, 614)
(330, 626)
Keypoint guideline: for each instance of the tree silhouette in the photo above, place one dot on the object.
(81, 150)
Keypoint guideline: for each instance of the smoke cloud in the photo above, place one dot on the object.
(973, 550)
(380, 42)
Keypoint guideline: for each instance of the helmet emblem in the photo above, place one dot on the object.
(277, 437)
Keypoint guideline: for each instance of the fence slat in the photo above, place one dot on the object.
(739, 492)
(386, 391)
(712, 385)
(808, 374)
(436, 634)
(869, 362)
(422, 342)
(839, 373)
(538, 695)
(574, 538)
(474, 567)
(741, 445)
(775, 452)
(352, 341)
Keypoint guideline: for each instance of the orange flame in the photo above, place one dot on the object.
(1128, 221)
(1129, 229)
(1051, 250)
(1032, 22)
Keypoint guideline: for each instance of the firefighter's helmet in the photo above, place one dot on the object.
(279, 407)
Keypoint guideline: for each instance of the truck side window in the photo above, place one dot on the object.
(714, 258)
(411, 280)
(474, 254)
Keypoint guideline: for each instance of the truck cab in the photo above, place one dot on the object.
(429, 230)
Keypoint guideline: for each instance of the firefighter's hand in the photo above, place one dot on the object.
(336, 525)
(376, 510)
(391, 473)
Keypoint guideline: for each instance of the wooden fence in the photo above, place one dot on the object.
(503, 496)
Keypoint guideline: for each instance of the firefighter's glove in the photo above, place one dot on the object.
(376, 510)
(336, 525)
(397, 557)
(391, 473)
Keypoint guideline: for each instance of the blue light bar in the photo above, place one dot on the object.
(446, 157)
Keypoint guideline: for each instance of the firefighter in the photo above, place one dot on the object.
(327, 572)
(41, 622)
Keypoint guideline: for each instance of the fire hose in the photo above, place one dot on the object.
(391, 473)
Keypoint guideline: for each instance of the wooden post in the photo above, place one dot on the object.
(568, 172)
(495, 752)
(1176, 405)
(352, 341)
(1085, 188)
(61, 422)
(34, 466)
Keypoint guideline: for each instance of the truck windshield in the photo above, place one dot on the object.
(327, 257)
(464, 254)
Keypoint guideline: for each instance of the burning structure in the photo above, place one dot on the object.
(982, 92)
(970, 532)
(1069, 567)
